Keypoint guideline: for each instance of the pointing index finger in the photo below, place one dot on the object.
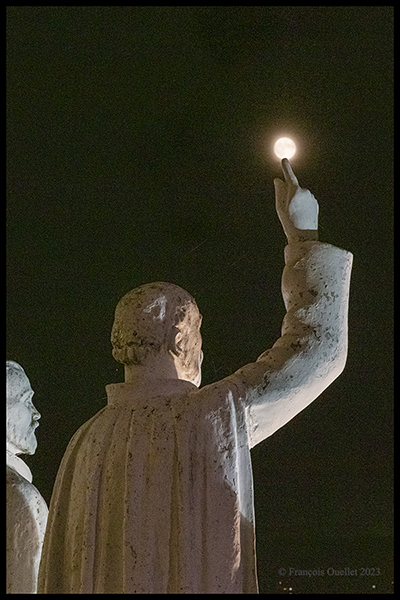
(290, 177)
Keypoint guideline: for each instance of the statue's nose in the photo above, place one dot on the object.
(36, 415)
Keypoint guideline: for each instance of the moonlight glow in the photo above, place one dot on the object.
(285, 148)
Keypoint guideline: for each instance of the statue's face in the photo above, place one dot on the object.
(22, 417)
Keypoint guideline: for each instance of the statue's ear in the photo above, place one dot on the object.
(175, 341)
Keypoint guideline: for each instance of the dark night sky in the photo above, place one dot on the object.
(136, 152)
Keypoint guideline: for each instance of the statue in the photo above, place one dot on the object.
(26, 509)
(154, 493)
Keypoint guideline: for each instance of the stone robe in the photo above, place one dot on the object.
(154, 493)
(26, 523)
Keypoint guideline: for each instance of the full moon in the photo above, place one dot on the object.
(285, 148)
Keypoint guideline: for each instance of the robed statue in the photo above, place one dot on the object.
(154, 493)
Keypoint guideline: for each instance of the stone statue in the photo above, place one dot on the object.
(26, 509)
(154, 493)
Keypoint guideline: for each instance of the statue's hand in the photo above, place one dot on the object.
(296, 207)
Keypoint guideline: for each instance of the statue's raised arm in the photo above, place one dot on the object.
(312, 350)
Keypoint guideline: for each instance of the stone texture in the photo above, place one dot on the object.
(155, 493)
(26, 509)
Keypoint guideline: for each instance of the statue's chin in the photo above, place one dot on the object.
(26, 445)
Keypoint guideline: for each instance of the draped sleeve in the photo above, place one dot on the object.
(312, 349)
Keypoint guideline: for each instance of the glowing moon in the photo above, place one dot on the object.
(285, 148)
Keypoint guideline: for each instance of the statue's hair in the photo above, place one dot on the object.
(14, 375)
(145, 318)
(11, 365)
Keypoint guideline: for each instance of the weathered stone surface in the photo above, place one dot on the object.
(26, 509)
(155, 492)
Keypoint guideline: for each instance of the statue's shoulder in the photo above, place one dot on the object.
(15, 481)
(223, 393)
(89, 426)
(21, 494)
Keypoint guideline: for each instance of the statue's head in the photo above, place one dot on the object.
(21, 417)
(155, 321)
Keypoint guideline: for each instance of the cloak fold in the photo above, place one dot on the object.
(147, 498)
